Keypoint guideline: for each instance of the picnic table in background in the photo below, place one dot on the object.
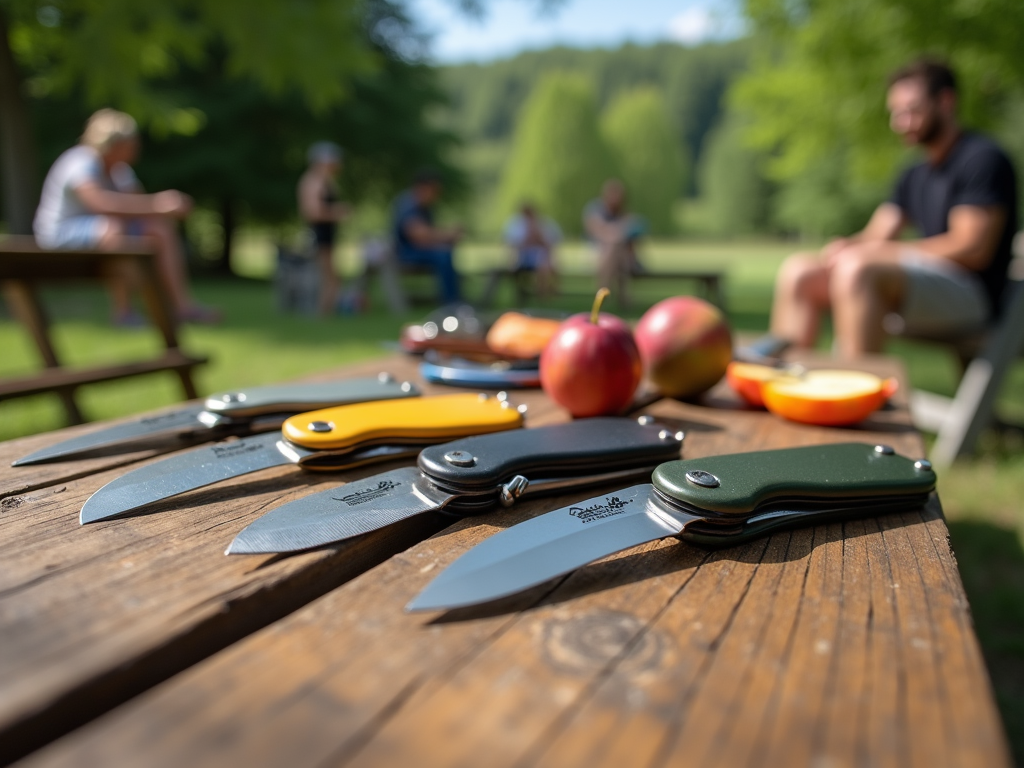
(137, 642)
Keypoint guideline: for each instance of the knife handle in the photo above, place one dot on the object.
(820, 476)
(576, 449)
(417, 419)
(296, 398)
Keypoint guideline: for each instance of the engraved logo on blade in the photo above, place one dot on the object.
(235, 449)
(368, 494)
(612, 506)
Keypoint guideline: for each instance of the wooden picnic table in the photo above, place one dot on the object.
(137, 642)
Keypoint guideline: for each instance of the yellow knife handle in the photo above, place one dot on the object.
(440, 419)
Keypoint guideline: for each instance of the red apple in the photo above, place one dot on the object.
(685, 345)
(591, 366)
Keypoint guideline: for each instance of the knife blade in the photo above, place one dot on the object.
(715, 501)
(242, 412)
(466, 477)
(337, 438)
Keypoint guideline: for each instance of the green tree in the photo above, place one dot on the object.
(645, 149)
(735, 198)
(558, 158)
(815, 90)
(113, 51)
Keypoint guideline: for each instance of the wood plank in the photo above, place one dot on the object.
(845, 644)
(92, 615)
(61, 378)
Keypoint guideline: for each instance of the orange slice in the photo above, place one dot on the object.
(827, 398)
(747, 379)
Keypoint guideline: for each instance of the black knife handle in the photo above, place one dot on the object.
(576, 449)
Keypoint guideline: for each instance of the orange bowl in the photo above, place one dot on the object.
(827, 398)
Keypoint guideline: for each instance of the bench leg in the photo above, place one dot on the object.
(25, 306)
(971, 409)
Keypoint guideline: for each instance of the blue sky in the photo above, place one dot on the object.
(511, 26)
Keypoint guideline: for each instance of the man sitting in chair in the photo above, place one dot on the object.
(962, 200)
(418, 240)
(533, 239)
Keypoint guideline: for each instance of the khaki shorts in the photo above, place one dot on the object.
(942, 298)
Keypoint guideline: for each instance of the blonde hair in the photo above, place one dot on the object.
(108, 127)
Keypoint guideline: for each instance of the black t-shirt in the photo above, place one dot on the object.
(976, 172)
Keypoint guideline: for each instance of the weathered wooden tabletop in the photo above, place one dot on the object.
(136, 642)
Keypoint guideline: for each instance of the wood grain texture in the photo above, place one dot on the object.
(843, 644)
(92, 615)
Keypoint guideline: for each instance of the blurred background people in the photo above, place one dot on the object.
(91, 198)
(962, 202)
(533, 239)
(418, 240)
(321, 209)
(615, 232)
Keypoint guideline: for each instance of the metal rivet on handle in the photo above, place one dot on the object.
(680, 436)
(385, 378)
(512, 490)
(522, 408)
(645, 421)
(320, 426)
(406, 386)
(502, 396)
(664, 434)
(234, 397)
(923, 465)
(702, 478)
(884, 450)
(460, 458)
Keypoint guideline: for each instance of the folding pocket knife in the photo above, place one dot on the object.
(242, 412)
(331, 439)
(716, 501)
(468, 477)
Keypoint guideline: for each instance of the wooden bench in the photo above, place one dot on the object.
(137, 642)
(24, 266)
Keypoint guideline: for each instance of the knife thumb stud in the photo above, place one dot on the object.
(513, 489)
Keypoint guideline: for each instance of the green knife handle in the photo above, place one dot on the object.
(738, 484)
(711, 536)
(298, 398)
(578, 448)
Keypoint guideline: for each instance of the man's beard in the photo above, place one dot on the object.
(931, 130)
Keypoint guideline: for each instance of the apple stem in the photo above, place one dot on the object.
(598, 300)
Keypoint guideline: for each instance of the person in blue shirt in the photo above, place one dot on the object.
(418, 240)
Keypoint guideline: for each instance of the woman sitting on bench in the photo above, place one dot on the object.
(92, 200)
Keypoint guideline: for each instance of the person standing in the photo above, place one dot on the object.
(91, 199)
(615, 232)
(321, 209)
(418, 239)
(950, 278)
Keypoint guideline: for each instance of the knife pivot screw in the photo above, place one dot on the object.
(702, 478)
(645, 421)
(460, 458)
(406, 386)
(320, 426)
(680, 436)
(512, 490)
(385, 378)
(923, 465)
(233, 397)
(884, 450)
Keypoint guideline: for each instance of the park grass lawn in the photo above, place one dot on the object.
(982, 497)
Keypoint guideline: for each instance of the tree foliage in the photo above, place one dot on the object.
(558, 159)
(815, 91)
(646, 154)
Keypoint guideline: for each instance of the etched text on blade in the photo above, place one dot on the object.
(334, 515)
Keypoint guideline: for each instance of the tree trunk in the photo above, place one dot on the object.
(18, 184)
(227, 222)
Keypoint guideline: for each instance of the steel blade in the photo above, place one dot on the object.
(183, 472)
(183, 420)
(340, 513)
(553, 544)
